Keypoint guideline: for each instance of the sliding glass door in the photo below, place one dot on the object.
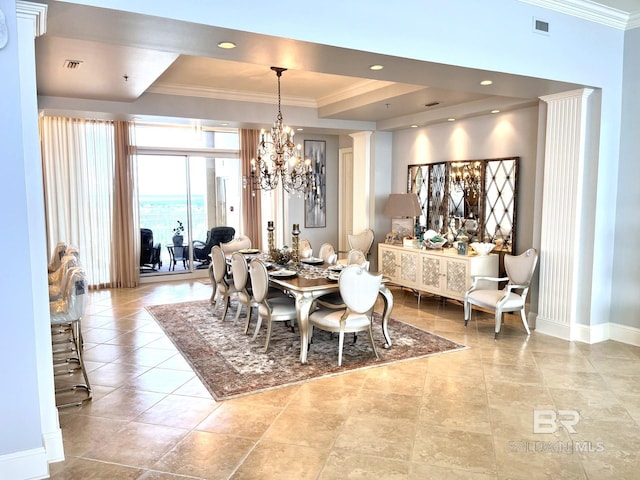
(195, 192)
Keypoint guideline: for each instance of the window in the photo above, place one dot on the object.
(188, 175)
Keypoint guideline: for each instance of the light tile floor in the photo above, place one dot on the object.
(462, 415)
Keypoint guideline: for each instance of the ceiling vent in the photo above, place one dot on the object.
(72, 64)
(540, 26)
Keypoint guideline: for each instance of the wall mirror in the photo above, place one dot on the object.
(479, 196)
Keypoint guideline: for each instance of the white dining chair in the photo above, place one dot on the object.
(223, 286)
(328, 253)
(512, 298)
(361, 241)
(279, 308)
(359, 290)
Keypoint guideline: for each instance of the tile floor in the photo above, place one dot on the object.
(463, 415)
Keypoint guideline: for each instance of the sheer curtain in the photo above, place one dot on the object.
(250, 198)
(88, 201)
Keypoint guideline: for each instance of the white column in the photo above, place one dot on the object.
(361, 219)
(562, 211)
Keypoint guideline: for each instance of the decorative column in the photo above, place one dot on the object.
(295, 244)
(271, 244)
(562, 212)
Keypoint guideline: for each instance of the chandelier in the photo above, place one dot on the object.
(279, 159)
(467, 177)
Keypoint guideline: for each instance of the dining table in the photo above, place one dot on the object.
(306, 283)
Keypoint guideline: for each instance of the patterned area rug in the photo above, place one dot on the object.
(231, 364)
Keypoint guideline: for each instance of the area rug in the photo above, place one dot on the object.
(231, 363)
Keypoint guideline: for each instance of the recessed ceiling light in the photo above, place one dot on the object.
(451, 119)
(299, 129)
(376, 67)
(224, 124)
(414, 126)
(495, 111)
(486, 82)
(227, 45)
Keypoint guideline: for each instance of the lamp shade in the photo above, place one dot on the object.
(402, 205)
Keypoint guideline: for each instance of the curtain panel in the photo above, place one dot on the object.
(252, 214)
(89, 187)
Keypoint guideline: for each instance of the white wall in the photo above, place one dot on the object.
(626, 280)
(501, 135)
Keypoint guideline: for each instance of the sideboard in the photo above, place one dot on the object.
(439, 272)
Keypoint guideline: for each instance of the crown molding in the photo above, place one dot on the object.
(586, 9)
(234, 95)
(634, 21)
(36, 12)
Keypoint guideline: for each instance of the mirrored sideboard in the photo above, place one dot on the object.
(479, 196)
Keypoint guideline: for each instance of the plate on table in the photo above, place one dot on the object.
(249, 251)
(284, 273)
(312, 260)
(336, 268)
(333, 276)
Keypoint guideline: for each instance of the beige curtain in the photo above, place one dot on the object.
(125, 252)
(250, 197)
(78, 163)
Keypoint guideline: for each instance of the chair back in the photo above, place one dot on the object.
(218, 264)
(56, 256)
(359, 289)
(68, 261)
(327, 253)
(520, 268)
(357, 257)
(71, 306)
(259, 280)
(218, 235)
(305, 249)
(236, 244)
(362, 241)
(240, 271)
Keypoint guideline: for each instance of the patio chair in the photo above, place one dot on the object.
(215, 236)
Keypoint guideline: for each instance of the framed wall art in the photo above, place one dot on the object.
(315, 211)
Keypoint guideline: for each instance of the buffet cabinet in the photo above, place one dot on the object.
(439, 272)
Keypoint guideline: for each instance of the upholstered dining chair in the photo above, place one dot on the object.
(361, 241)
(280, 308)
(359, 290)
(512, 298)
(304, 248)
(334, 299)
(328, 253)
(223, 286)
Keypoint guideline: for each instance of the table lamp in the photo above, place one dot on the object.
(402, 208)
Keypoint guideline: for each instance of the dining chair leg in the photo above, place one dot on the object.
(258, 325)
(248, 321)
(524, 322)
(340, 345)
(373, 344)
(266, 342)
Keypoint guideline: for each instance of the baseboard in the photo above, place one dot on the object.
(553, 329)
(590, 334)
(54, 446)
(25, 465)
(624, 334)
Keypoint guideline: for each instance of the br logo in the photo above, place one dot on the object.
(548, 421)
